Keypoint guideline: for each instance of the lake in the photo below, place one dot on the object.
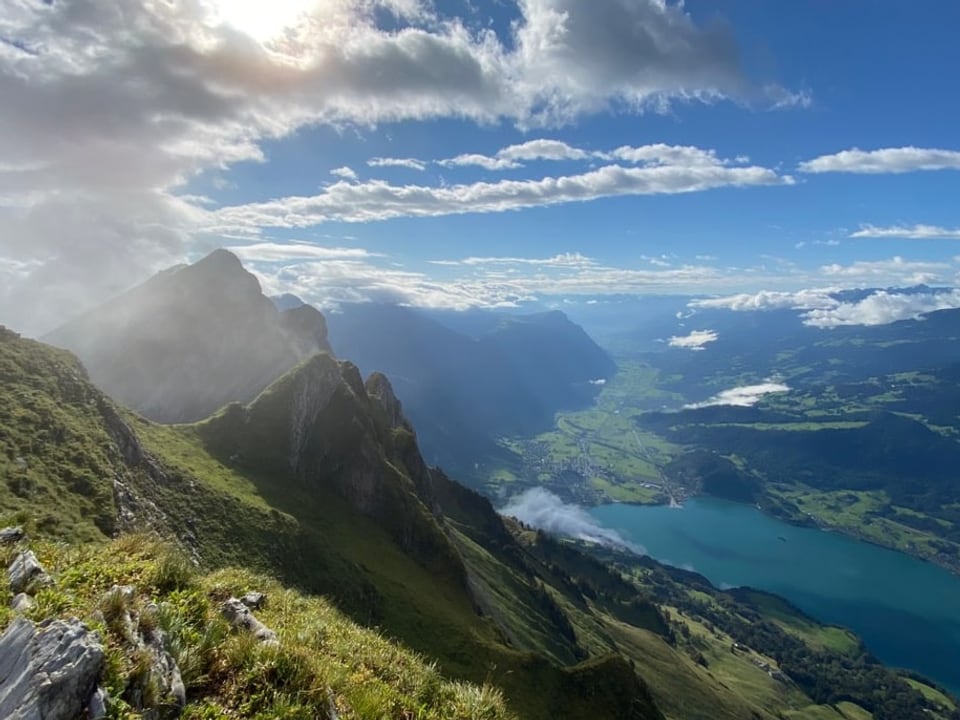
(907, 611)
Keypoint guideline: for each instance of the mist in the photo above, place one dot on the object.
(540, 508)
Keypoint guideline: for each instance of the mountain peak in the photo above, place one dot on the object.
(190, 340)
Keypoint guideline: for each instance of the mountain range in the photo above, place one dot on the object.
(315, 478)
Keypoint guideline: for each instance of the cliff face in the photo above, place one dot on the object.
(321, 428)
(192, 339)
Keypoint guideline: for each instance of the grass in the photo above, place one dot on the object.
(933, 694)
(322, 655)
(814, 634)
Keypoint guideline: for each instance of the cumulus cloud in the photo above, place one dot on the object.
(697, 340)
(656, 154)
(823, 307)
(743, 396)
(380, 200)
(897, 269)
(344, 172)
(109, 109)
(883, 307)
(771, 300)
(484, 161)
(544, 510)
(885, 160)
(562, 260)
(915, 232)
(409, 163)
(477, 282)
(281, 252)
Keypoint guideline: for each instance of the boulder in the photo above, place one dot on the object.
(26, 572)
(240, 616)
(254, 600)
(10, 535)
(22, 603)
(48, 672)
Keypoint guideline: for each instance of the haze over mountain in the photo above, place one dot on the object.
(191, 339)
(463, 391)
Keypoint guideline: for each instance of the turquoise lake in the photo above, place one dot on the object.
(907, 611)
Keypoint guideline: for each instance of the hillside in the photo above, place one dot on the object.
(153, 347)
(319, 484)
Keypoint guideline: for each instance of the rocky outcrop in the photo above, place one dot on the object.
(22, 603)
(48, 672)
(26, 573)
(10, 535)
(240, 617)
(254, 600)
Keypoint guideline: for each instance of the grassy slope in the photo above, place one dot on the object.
(322, 655)
(308, 538)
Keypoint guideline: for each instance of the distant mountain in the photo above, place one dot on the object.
(192, 339)
(461, 392)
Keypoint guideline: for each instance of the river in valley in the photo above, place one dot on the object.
(906, 610)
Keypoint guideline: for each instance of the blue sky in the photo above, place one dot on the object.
(478, 154)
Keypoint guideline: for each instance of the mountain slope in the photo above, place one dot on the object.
(319, 483)
(153, 348)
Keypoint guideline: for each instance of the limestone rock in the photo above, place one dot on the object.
(22, 603)
(26, 571)
(254, 600)
(97, 707)
(10, 535)
(240, 616)
(48, 672)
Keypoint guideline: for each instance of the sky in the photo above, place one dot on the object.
(481, 153)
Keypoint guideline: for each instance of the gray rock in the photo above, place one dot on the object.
(10, 535)
(26, 572)
(167, 673)
(240, 616)
(254, 600)
(48, 672)
(22, 603)
(97, 707)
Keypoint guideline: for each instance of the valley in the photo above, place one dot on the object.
(318, 487)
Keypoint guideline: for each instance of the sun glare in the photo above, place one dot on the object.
(262, 19)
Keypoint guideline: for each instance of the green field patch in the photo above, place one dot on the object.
(933, 694)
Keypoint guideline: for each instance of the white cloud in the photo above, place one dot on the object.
(345, 173)
(896, 271)
(744, 396)
(882, 308)
(822, 308)
(114, 106)
(885, 160)
(542, 509)
(512, 156)
(409, 163)
(281, 252)
(661, 154)
(543, 149)
(771, 300)
(484, 161)
(563, 260)
(380, 200)
(696, 340)
(916, 232)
